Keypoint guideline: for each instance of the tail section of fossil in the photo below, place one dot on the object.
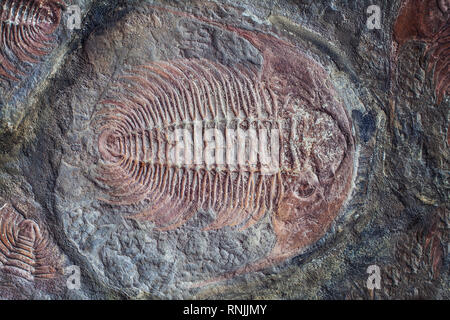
(26, 28)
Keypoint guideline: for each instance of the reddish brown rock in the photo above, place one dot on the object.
(428, 21)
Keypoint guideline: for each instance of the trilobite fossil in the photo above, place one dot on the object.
(26, 29)
(25, 249)
(289, 94)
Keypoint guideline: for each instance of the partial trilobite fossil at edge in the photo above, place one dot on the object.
(428, 21)
(290, 94)
(26, 28)
(25, 249)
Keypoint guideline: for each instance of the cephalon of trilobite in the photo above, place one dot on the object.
(25, 249)
(428, 21)
(26, 29)
(290, 92)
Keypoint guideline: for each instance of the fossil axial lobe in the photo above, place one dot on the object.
(25, 249)
(26, 28)
(290, 95)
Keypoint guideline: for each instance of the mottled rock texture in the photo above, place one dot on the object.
(89, 170)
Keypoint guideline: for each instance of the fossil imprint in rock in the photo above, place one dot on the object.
(289, 95)
(26, 28)
(25, 249)
(428, 21)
